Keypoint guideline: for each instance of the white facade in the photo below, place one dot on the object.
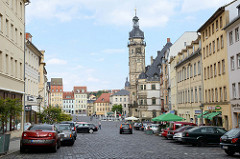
(120, 100)
(81, 103)
(68, 106)
(233, 44)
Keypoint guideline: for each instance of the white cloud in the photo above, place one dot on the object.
(56, 61)
(104, 12)
(196, 5)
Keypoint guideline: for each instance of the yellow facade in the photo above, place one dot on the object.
(215, 68)
(102, 108)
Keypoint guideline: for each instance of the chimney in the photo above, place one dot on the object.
(151, 60)
(168, 40)
(29, 37)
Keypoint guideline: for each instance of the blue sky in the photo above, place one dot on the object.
(86, 40)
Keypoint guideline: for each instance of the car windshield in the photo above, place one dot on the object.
(125, 126)
(40, 127)
(64, 127)
(232, 133)
(70, 123)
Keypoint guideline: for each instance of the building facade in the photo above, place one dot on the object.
(181, 43)
(32, 79)
(12, 32)
(189, 82)
(215, 67)
(68, 102)
(121, 98)
(56, 92)
(233, 45)
(90, 107)
(102, 105)
(81, 97)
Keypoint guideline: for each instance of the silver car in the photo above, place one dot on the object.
(178, 137)
(154, 128)
(65, 133)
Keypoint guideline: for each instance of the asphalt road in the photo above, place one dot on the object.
(108, 143)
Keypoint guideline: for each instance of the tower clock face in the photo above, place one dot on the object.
(138, 50)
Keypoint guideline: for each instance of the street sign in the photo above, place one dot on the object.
(28, 108)
(218, 107)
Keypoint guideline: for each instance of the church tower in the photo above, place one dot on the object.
(136, 47)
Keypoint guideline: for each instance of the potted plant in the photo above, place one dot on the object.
(9, 109)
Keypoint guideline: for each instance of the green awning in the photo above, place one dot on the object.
(168, 117)
(211, 115)
(200, 115)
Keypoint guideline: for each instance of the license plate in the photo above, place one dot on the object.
(225, 147)
(37, 141)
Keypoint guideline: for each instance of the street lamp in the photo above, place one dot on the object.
(39, 100)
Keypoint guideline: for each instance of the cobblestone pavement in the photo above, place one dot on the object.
(108, 143)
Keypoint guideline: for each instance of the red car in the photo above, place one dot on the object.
(43, 135)
(175, 125)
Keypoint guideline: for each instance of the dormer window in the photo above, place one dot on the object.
(238, 7)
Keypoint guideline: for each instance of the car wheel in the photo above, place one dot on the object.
(120, 132)
(201, 142)
(91, 131)
(22, 149)
(230, 152)
(75, 138)
(54, 149)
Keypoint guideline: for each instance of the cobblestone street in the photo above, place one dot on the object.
(108, 143)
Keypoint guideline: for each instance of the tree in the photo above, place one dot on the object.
(117, 108)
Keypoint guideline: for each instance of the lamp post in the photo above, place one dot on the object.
(39, 100)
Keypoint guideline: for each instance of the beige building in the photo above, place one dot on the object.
(90, 107)
(215, 68)
(80, 95)
(12, 30)
(102, 105)
(189, 82)
(56, 92)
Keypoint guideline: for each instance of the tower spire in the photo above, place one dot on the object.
(135, 12)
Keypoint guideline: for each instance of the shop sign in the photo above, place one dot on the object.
(28, 108)
(218, 107)
(210, 108)
(197, 111)
(236, 107)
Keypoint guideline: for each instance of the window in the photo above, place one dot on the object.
(222, 41)
(215, 70)
(199, 68)
(21, 39)
(191, 95)
(234, 91)
(238, 90)
(213, 28)
(223, 66)
(218, 45)
(232, 63)
(209, 98)
(206, 34)
(0, 23)
(225, 93)
(16, 36)
(206, 96)
(221, 94)
(1, 61)
(116, 99)
(221, 23)
(187, 72)
(7, 63)
(219, 68)
(141, 87)
(12, 31)
(153, 87)
(7, 31)
(21, 71)
(211, 71)
(210, 49)
(204, 52)
(208, 75)
(205, 77)
(153, 101)
(191, 73)
(21, 12)
(207, 50)
(209, 31)
(216, 94)
(213, 46)
(203, 36)
(238, 61)
(212, 95)
(200, 94)
(195, 69)
(230, 38)
(196, 96)
(236, 34)
(216, 25)
(185, 96)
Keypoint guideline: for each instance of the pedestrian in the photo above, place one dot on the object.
(99, 125)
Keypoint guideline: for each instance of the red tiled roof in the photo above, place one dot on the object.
(78, 89)
(104, 98)
(65, 94)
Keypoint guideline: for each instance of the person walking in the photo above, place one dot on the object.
(99, 125)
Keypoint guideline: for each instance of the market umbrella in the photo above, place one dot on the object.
(168, 117)
(131, 118)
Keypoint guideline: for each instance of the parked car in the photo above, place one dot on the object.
(137, 126)
(95, 128)
(73, 126)
(126, 128)
(43, 135)
(155, 128)
(181, 129)
(85, 128)
(175, 125)
(203, 135)
(65, 133)
(230, 141)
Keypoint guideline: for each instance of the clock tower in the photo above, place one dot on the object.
(136, 47)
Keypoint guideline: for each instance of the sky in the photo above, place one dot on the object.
(85, 41)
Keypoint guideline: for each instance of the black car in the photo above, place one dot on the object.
(230, 141)
(126, 128)
(95, 128)
(203, 135)
(71, 123)
(85, 128)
